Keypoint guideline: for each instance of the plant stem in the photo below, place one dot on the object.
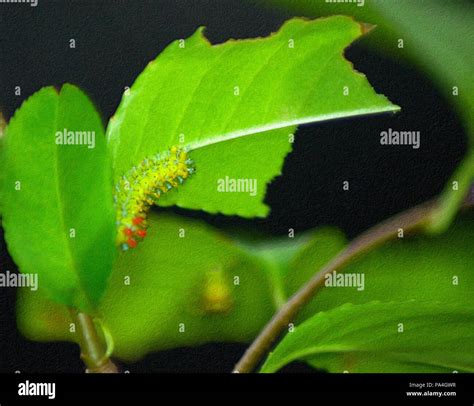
(93, 350)
(411, 220)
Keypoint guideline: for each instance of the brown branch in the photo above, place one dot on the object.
(410, 221)
(93, 350)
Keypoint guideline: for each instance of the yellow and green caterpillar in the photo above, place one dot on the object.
(142, 186)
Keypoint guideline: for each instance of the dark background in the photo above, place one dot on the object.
(115, 39)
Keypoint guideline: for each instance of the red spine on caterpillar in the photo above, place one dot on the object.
(141, 233)
(142, 186)
(138, 220)
(132, 243)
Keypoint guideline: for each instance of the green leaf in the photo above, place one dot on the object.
(259, 89)
(278, 257)
(3, 124)
(58, 210)
(174, 284)
(437, 37)
(382, 337)
(422, 268)
(454, 194)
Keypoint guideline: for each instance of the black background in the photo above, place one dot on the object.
(115, 39)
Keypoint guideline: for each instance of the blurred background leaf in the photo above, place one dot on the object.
(421, 268)
(52, 190)
(260, 87)
(437, 38)
(287, 258)
(181, 292)
(383, 337)
(190, 280)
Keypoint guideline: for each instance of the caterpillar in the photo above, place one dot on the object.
(141, 187)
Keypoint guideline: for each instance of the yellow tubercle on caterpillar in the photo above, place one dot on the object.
(216, 297)
(142, 186)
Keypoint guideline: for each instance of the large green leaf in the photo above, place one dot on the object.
(383, 337)
(173, 280)
(422, 268)
(58, 210)
(295, 76)
(437, 37)
(2, 164)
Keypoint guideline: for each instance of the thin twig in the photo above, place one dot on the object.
(93, 350)
(413, 219)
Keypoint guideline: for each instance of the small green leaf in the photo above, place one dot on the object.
(186, 284)
(58, 210)
(454, 193)
(382, 337)
(199, 95)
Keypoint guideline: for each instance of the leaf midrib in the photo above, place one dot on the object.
(285, 124)
(62, 217)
